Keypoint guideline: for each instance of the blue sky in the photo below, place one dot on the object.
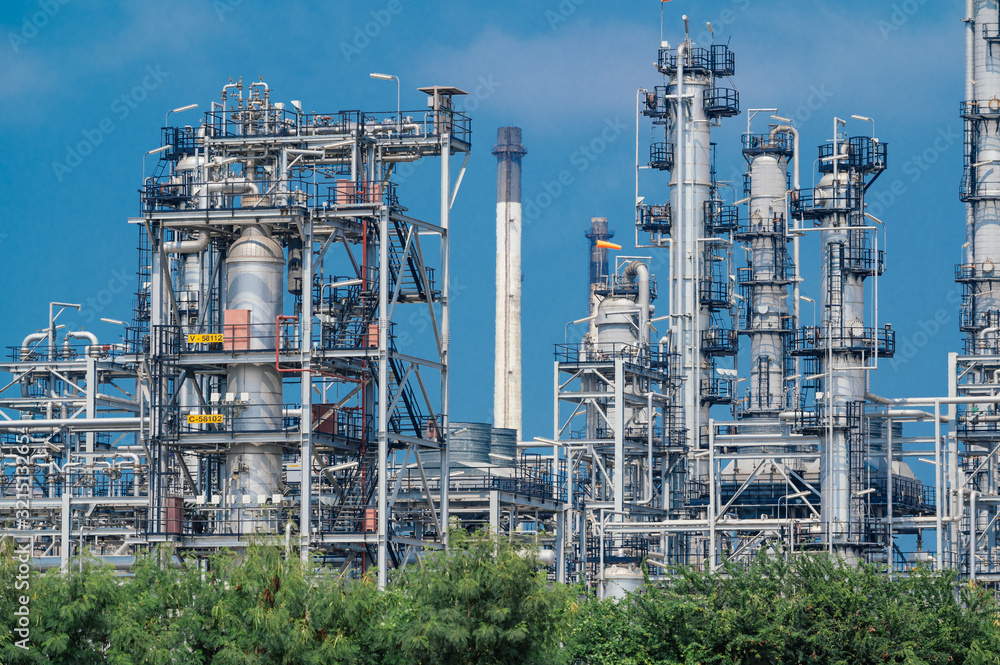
(102, 74)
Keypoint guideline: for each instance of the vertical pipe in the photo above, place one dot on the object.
(619, 425)
(383, 397)
(954, 499)
(711, 496)
(938, 482)
(888, 491)
(305, 419)
(970, 94)
(564, 531)
(65, 524)
(972, 536)
(445, 320)
(679, 244)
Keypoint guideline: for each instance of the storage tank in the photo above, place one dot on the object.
(468, 444)
(620, 580)
(503, 446)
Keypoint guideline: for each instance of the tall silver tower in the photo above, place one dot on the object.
(976, 372)
(766, 318)
(507, 365)
(843, 347)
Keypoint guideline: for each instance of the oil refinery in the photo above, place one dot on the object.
(260, 391)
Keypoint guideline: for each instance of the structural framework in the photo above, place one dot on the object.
(266, 387)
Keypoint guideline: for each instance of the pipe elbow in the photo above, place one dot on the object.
(636, 270)
(784, 129)
(28, 340)
(81, 334)
(195, 246)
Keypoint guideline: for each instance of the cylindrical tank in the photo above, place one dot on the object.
(619, 581)
(469, 444)
(254, 281)
(616, 324)
(503, 446)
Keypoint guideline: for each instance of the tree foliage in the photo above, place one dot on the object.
(457, 610)
(485, 601)
(809, 609)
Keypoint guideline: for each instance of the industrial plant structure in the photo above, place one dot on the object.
(262, 390)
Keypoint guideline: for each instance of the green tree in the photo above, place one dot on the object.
(809, 609)
(71, 613)
(481, 602)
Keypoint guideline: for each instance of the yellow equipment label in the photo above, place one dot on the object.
(205, 338)
(205, 418)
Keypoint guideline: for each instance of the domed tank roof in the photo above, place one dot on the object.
(255, 245)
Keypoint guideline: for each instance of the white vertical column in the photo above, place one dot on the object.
(507, 365)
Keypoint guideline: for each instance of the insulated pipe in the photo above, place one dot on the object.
(241, 186)
(195, 246)
(903, 414)
(788, 129)
(972, 533)
(27, 341)
(649, 450)
(232, 187)
(99, 424)
(638, 272)
(796, 238)
(970, 92)
(82, 334)
(930, 401)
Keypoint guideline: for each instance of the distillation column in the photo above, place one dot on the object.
(255, 280)
(507, 364)
(765, 280)
(979, 273)
(843, 349)
(700, 229)
(701, 293)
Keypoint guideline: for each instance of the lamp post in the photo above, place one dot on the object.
(177, 110)
(573, 323)
(390, 77)
(864, 118)
(813, 303)
(151, 152)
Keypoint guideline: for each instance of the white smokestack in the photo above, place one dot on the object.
(507, 368)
